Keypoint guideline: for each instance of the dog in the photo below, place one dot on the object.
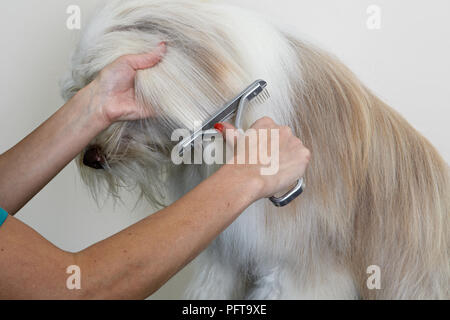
(378, 191)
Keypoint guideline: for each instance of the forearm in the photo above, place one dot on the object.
(27, 167)
(133, 263)
(137, 261)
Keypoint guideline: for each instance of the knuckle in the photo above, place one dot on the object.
(127, 59)
(285, 130)
(265, 120)
(298, 142)
(306, 154)
(124, 58)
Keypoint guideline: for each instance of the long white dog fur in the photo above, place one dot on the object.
(377, 194)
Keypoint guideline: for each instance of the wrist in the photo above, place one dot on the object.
(92, 105)
(249, 183)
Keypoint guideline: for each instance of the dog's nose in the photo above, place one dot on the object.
(94, 158)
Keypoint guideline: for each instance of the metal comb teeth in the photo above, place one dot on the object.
(262, 97)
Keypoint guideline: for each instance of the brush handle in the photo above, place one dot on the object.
(253, 91)
(289, 196)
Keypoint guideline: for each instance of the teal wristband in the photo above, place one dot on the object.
(3, 216)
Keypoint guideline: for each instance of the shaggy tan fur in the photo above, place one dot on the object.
(385, 184)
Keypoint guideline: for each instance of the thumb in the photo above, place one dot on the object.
(147, 60)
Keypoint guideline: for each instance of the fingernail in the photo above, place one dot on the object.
(162, 43)
(219, 127)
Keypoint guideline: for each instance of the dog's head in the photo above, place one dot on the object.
(213, 52)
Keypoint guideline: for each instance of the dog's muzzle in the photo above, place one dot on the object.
(94, 158)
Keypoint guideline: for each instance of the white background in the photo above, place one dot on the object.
(406, 63)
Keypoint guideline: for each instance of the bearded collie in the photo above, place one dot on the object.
(377, 193)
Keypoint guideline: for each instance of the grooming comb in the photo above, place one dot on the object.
(256, 92)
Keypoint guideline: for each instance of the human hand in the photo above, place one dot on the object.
(112, 93)
(287, 154)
